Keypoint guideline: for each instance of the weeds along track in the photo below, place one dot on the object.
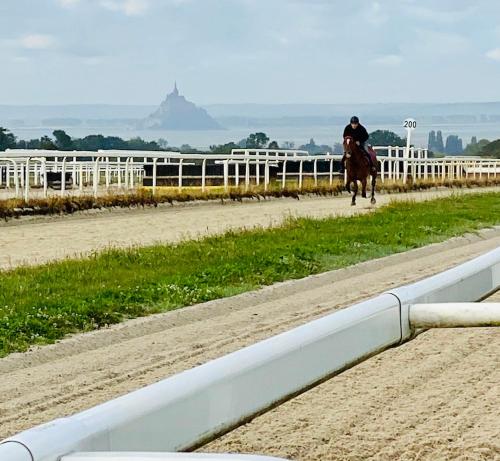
(83, 371)
(143, 197)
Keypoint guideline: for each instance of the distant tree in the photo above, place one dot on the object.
(453, 145)
(475, 146)
(439, 142)
(257, 141)
(7, 139)
(92, 142)
(386, 138)
(224, 148)
(47, 143)
(62, 140)
(273, 145)
(139, 144)
(338, 148)
(33, 144)
(315, 149)
(491, 149)
(431, 145)
(163, 143)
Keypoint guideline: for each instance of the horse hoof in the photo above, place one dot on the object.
(373, 201)
(353, 203)
(363, 195)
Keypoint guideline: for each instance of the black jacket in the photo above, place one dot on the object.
(359, 134)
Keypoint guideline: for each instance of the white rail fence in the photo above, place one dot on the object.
(29, 173)
(186, 410)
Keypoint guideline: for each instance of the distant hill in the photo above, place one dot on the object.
(177, 113)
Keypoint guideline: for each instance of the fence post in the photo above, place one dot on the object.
(179, 185)
(203, 174)
(154, 175)
(300, 173)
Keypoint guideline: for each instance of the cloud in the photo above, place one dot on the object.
(68, 3)
(431, 44)
(494, 54)
(374, 14)
(36, 41)
(128, 7)
(439, 15)
(388, 60)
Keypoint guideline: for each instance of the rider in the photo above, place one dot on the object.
(357, 132)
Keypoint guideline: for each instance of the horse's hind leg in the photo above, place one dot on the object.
(363, 188)
(374, 182)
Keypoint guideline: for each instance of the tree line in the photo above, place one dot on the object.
(454, 146)
(259, 140)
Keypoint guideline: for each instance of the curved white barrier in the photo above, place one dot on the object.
(192, 407)
(184, 410)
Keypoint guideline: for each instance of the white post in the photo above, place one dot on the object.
(154, 176)
(27, 181)
(315, 172)
(266, 174)
(331, 172)
(44, 173)
(203, 174)
(63, 177)
(247, 174)
(96, 176)
(410, 125)
(80, 179)
(283, 173)
(179, 185)
(300, 174)
(119, 172)
(226, 175)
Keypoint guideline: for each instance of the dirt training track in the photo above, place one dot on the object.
(433, 398)
(35, 241)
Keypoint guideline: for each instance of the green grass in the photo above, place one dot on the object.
(39, 305)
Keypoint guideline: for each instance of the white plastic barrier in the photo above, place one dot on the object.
(471, 281)
(455, 315)
(135, 456)
(192, 407)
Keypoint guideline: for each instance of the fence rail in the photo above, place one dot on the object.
(29, 173)
(190, 408)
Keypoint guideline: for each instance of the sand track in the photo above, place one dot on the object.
(34, 241)
(414, 414)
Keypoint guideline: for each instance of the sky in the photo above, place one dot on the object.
(249, 51)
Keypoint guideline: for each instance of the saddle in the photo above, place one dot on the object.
(372, 156)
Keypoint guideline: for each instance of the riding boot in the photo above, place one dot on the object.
(342, 165)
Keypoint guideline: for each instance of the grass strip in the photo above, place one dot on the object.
(39, 305)
(17, 207)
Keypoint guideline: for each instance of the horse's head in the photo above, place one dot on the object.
(348, 146)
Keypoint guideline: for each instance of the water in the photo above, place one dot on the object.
(298, 135)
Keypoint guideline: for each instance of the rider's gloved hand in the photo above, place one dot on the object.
(357, 142)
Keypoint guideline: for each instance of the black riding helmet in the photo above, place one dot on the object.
(354, 119)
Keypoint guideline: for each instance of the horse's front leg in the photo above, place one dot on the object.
(354, 192)
(374, 182)
(363, 188)
(348, 183)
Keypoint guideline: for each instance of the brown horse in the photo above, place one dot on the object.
(358, 169)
